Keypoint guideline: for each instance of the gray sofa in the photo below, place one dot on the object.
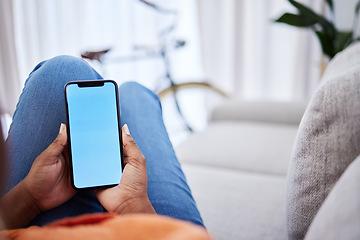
(256, 173)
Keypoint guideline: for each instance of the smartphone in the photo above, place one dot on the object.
(94, 133)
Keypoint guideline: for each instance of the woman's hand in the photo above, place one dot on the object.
(45, 187)
(49, 181)
(130, 196)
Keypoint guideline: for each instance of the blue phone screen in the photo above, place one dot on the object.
(94, 135)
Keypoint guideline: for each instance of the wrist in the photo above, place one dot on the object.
(18, 207)
(29, 200)
(136, 205)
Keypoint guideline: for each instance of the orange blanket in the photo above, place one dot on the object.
(107, 227)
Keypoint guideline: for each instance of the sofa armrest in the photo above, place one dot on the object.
(272, 112)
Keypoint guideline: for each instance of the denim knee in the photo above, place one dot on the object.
(62, 69)
(67, 61)
(129, 89)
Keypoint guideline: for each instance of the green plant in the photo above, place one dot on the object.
(331, 39)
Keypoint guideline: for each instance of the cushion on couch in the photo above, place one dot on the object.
(239, 205)
(243, 145)
(260, 111)
(327, 142)
(236, 170)
(338, 217)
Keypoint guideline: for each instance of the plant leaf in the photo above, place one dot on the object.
(327, 26)
(327, 43)
(295, 20)
(343, 39)
(357, 8)
(356, 16)
(331, 5)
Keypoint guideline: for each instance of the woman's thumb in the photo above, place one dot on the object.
(131, 150)
(59, 143)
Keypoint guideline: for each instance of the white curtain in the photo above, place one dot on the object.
(47, 28)
(10, 85)
(250, 57)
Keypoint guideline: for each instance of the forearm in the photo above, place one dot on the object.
(17, 207)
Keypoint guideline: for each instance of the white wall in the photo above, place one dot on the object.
(344, 14)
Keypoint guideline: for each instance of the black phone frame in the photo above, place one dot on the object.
(93, 83)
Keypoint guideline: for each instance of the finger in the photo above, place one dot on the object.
(131, 149)
(58, 145)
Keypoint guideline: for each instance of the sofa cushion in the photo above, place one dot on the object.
(237, 204)
(327, 142)
(338, 217)
(247, 146)
(265, 111)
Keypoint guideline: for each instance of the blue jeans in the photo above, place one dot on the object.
(36, 121)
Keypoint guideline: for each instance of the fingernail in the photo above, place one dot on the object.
(62, 128)
(126, 129)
